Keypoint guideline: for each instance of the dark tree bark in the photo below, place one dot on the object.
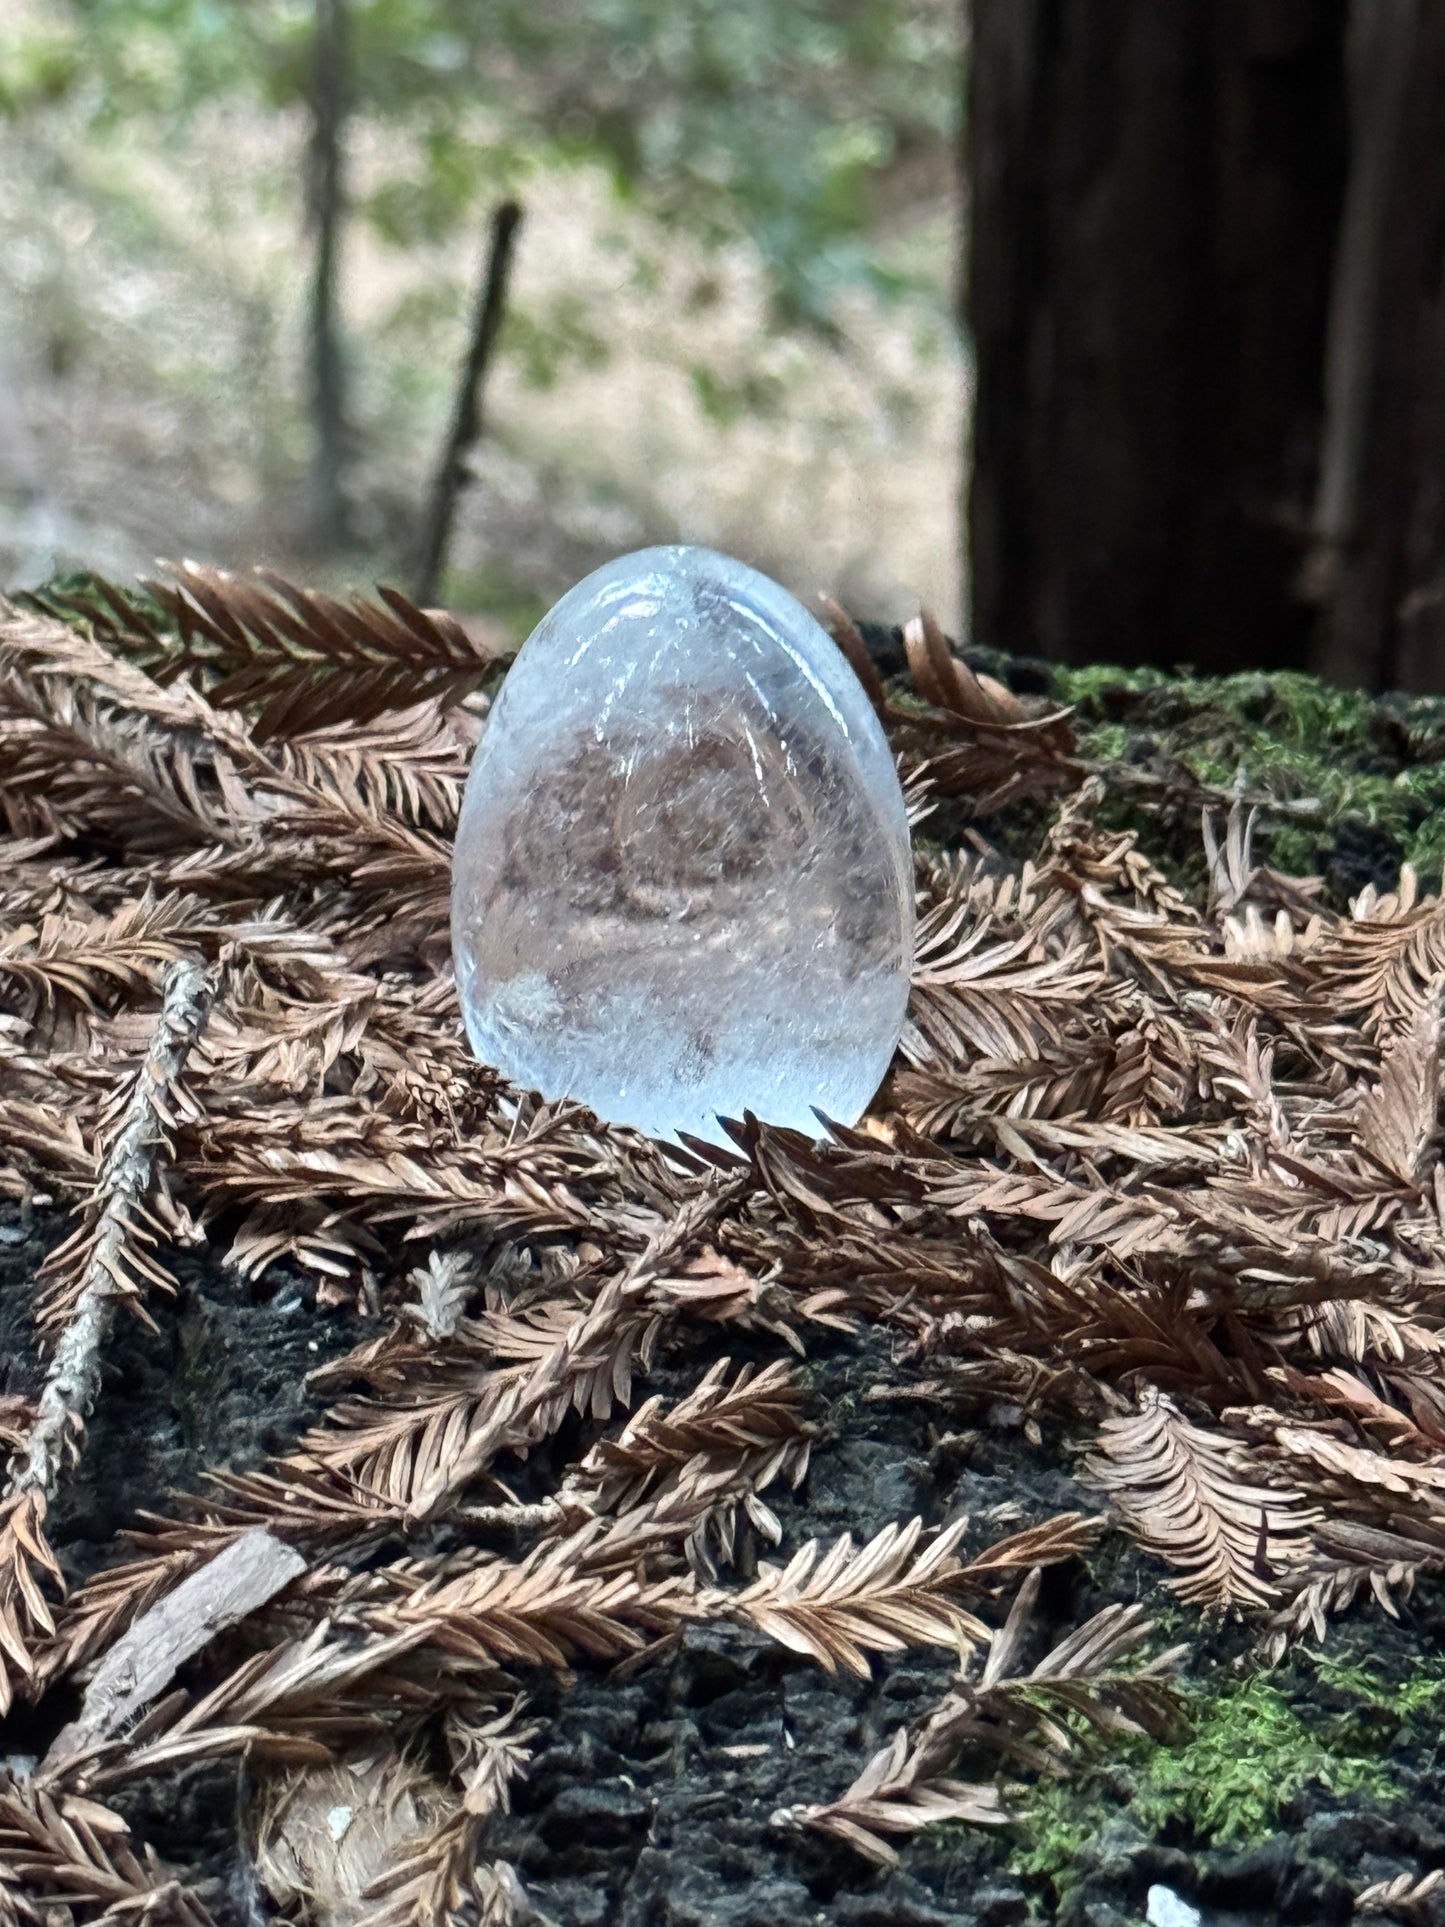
(1381, 515)
(1156, 189)
(466, 421)
(329, 88)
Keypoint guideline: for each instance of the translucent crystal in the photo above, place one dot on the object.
(682, 885)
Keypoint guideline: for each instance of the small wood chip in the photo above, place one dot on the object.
(238, 1580)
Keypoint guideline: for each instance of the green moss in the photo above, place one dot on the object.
(1250, 1753)
(1084, 686)
(1423, 791)
(1062, 1822)
(1255, 1743)
(1384, 1707)
(1341, 763)
(1108, 743)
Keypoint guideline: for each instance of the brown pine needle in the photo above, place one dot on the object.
(1163, 1164)
(518, 1409)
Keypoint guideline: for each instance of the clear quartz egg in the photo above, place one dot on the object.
(682, 885)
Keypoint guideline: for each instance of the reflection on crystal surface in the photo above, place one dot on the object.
(682, 884)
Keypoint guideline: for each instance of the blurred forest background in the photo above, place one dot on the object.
(730, 316)
(1112, 332)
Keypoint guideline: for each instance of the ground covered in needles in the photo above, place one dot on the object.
(425, 1504)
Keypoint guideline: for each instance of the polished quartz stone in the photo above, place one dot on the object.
(682, 886)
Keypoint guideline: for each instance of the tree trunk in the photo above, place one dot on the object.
(1381, 518)
(1156, 191)
(330, 54)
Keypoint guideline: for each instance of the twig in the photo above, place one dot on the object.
(466, 422)
(113, 1266)
(125, 1178)
(513, 1518)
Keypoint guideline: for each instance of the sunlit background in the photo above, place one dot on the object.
(732, 316)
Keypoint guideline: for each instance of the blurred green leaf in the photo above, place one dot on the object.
(544, 345)
(37, 70)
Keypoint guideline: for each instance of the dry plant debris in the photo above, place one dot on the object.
(906, 1786)
(1166, 1168)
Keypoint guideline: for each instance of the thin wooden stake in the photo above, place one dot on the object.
(466, 423)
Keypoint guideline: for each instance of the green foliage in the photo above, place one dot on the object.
(492, 592)
(723, 401)
(1255, 1744)
(765, 120)
(118, 59)
(546, 344)
(171, 136)
(36, 71)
